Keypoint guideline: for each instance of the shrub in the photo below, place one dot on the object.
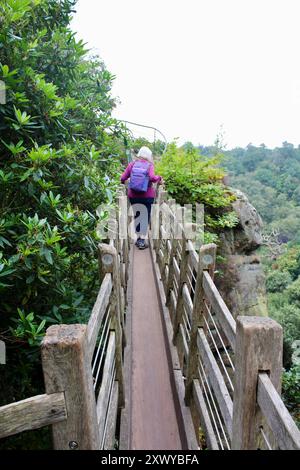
(192, 178)
(293, 292)
(291, 391)
(59, 157)
(277, 281)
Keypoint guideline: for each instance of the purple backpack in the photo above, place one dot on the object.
(139, 177)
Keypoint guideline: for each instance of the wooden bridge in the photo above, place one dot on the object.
(162, 364)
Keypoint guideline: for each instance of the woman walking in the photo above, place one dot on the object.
(141, 192)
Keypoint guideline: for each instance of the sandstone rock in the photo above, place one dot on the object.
(242, 280)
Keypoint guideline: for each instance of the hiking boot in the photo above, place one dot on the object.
(142, 245)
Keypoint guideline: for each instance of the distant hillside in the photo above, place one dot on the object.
(271, 179)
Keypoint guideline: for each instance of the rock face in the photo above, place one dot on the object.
(241, 280)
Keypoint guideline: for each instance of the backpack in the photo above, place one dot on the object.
(139, 177)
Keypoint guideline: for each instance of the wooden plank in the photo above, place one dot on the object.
(214, 334)
(67, 368)
(278, 418)
(185, 424)
(98, 311)
(121, 243)
(160, 259)
(220, 308)
(165, 277)
(216, 380)
(33, 413)
(110, 264)
(120, 264)
(169, 280)
(258, 348)
(182, 280)
(123, 268)
(110, 434)
(166, 210)
(184, 413)
(167, 271)
(194, 257)
(205, 420)
(184, 341)
(207, 256)
(173, 303)
(187, 300)
(163, 233)
(103, 397)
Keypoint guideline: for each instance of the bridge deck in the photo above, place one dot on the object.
(153, 417)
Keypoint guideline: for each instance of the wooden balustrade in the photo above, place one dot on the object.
(231, 370)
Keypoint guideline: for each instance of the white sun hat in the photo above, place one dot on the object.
(145, 154)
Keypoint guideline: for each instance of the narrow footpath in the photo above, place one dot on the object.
(154, 424)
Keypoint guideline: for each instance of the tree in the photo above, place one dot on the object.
(60, 151)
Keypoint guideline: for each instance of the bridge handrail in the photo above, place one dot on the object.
(32, 413)
(216, 365)
(279, 420)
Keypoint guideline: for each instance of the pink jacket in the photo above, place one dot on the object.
(153, 179)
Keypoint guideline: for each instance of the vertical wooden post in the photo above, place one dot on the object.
(207, 260)
(124, 221)
(174, 241)
(162, 196)
(182, 281)
(258, 349)
(109, 263)
(67, 369)
(169, 281)
(155, 221)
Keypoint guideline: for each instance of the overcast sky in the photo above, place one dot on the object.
(190, 66)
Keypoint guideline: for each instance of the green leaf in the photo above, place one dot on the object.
(48, 255)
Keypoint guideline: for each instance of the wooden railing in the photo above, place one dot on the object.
(83, 368)
(231, 368)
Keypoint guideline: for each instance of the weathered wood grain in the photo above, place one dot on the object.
(207, 256)
(182, 281)
(187, 300)
(223, 314)
(173, 304)
(184, 341)
(98, 311)
(33, 413)
(193, 255)
(117, 314)
(278, 418)
(258, 349)
(205, 420)
(67, 369)
(110, 434)
(216, 380)
(103, 397)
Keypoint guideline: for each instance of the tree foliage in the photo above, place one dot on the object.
(271, 179)
(192, 178)
(59, 157)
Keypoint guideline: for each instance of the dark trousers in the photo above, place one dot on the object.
(142, 213)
